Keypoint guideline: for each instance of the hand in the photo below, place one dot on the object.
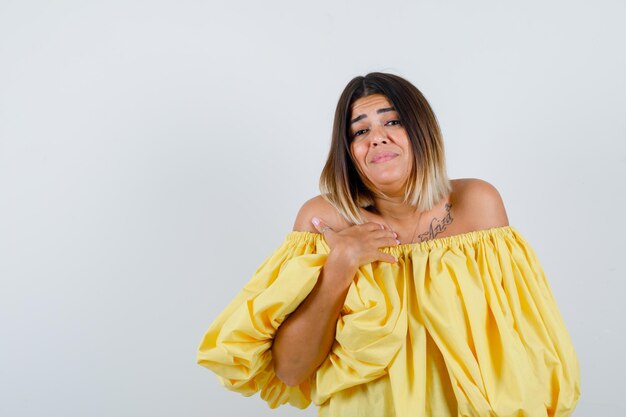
(359, 244)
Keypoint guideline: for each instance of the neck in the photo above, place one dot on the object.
(401, 218)
(394, 208)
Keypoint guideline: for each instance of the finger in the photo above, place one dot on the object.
(320, 225)
(371, 226)
(377, 234)
(385, 257)
(386, 241)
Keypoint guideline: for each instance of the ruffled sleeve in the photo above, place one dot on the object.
(370, 331)
(237, 346)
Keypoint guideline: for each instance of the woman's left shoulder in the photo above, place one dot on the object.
(480, 202)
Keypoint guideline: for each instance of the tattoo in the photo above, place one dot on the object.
(435, 229)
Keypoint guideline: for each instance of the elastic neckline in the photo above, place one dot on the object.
(440, 242)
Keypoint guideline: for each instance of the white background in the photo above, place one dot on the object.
(154, 153)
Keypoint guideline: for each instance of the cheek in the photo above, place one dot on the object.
(408, 150)
(357, 153)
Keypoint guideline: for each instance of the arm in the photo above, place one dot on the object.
(305, 338)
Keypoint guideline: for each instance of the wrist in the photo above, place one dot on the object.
(341, 263)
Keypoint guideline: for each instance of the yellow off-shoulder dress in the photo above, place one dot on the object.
(464, 325)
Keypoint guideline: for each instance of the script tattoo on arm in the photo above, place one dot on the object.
(437, 226)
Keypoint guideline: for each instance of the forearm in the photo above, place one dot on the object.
(304, 339)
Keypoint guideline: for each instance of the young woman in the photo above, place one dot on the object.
(399, 292)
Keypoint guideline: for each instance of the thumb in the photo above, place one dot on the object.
(320, 225)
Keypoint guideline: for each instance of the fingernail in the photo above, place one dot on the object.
(315, 221)
(395, 234)
(397, 241)
(395, 258)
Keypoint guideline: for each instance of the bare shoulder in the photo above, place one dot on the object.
(322, 209)
(480, 202)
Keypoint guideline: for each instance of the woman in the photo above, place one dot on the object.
(399, 292)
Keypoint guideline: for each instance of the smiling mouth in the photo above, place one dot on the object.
(383, 157)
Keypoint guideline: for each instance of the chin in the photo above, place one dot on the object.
(388, 180)
(392, 187)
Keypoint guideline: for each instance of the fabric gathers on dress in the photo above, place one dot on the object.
(464, 325)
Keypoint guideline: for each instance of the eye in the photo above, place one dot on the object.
(359, 132)
(394, 122)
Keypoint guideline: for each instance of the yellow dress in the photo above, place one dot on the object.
(464, 325)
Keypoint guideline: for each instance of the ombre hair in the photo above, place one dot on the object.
(342, 185)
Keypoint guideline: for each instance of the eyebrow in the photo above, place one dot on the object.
(379, 111)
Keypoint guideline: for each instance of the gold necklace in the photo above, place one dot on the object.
(416, 226)
(414, 231)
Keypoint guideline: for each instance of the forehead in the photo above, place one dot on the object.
(370, 103)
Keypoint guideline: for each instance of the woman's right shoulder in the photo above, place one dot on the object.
(318, 207)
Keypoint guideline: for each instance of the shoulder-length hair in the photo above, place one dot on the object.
(340, 182)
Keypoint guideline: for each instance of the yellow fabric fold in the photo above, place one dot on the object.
(237, 345)
(370, 331)
(464, 325)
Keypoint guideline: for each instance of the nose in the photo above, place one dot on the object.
(379, 137)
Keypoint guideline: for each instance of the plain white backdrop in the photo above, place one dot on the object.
(154, 153)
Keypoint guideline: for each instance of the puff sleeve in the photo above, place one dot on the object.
(237, 345)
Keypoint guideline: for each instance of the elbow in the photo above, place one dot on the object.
(288, 379)
(288, 373)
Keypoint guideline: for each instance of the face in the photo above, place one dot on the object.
(379, 144)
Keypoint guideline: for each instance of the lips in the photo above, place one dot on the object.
(383, 157)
